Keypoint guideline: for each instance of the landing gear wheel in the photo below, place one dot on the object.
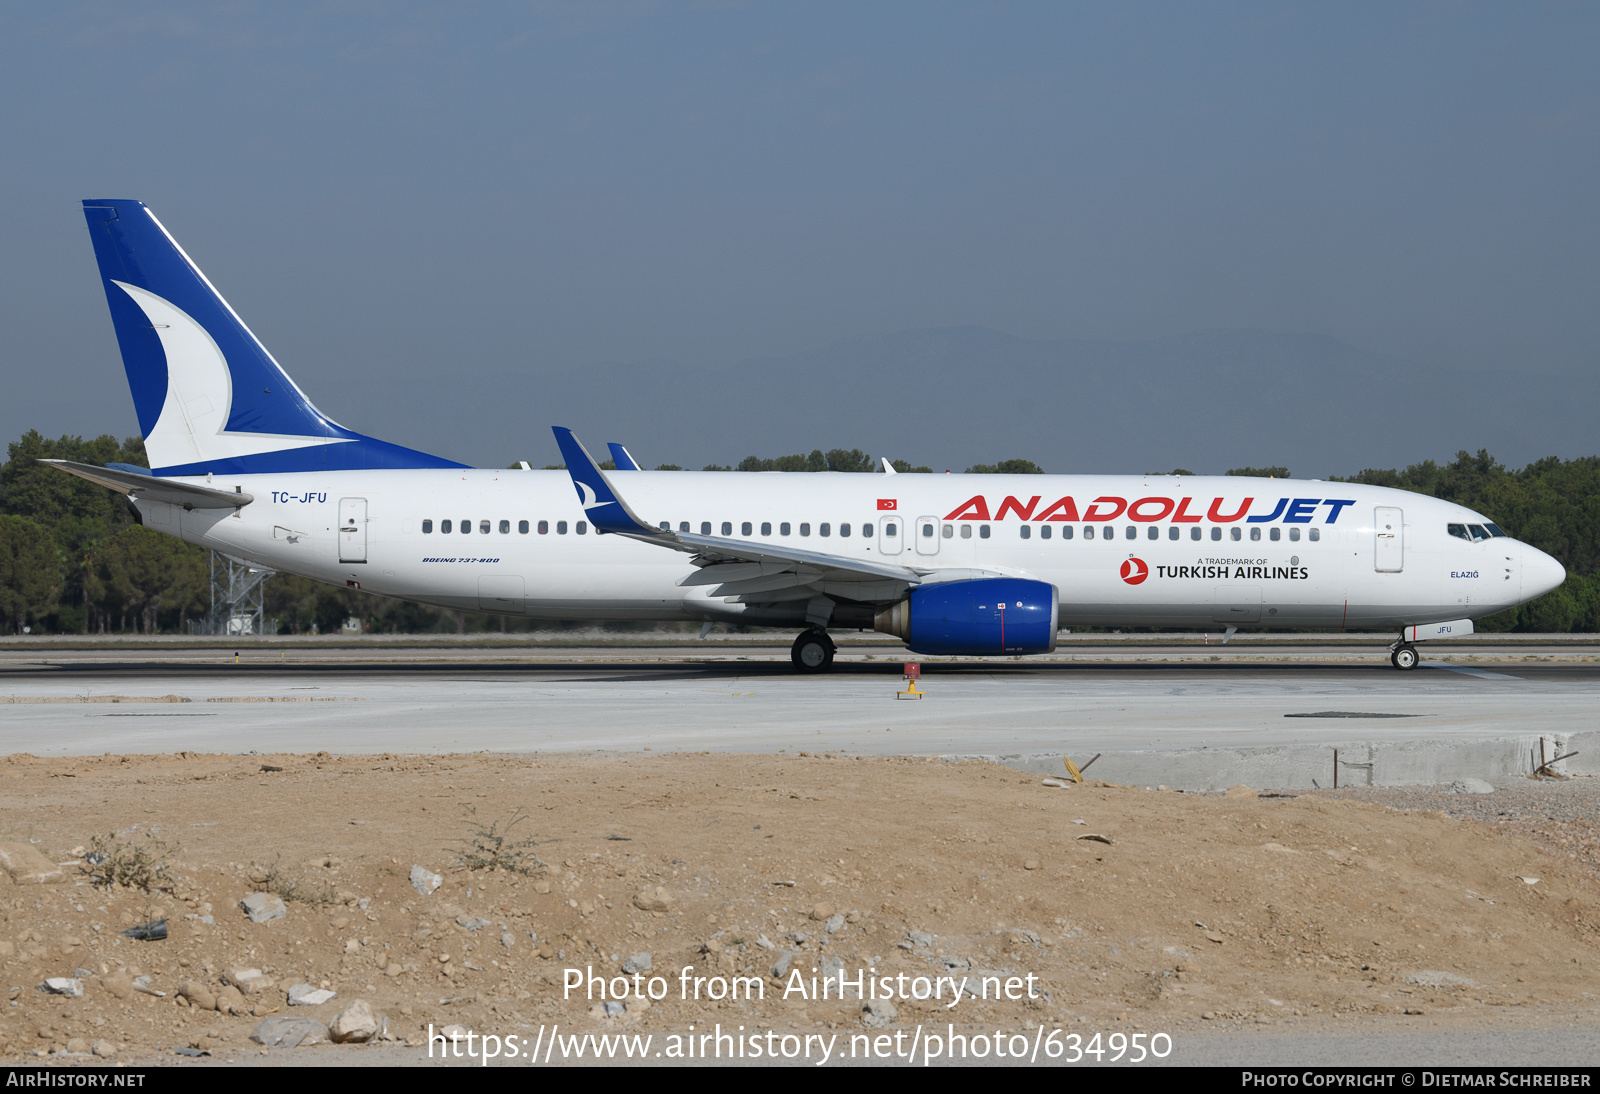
(1404, 658)
(812, 652)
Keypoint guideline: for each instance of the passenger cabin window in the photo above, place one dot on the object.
(1173, 533)
(948, 531)
(1275, 534)
(466, 527)
(1132, 532)
(1088, 531)
(805, 529)
(444, 527)
(1025, 531)
(1216, 533)
(744, 529)
(1194, 533)
(705, 528)
(1255, 533)
(483, 526)
(522, 527)
(727, 527)
(665, 526)
(1044, 531)
(1294, 535)
(983, 531)
(844, 529)
(1066, 531)
(966, 531)
(888, 529)
(427, 527)
(683, 526)
(505, 528)
(783, 529)
(561, 527)
(824, 530)
(1233, 534)
(544, 528)
(927, 531)
(583, 529)
(1314, 534)
(766, 527)
(1154, 533)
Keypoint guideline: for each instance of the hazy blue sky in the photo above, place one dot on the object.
(392, 193)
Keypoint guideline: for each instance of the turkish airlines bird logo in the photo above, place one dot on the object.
(1134, 571)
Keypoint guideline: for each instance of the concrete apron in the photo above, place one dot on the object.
(1362, 762)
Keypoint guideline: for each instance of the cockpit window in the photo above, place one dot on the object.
(1460, 532)
(1478, 533)
(1494, 530)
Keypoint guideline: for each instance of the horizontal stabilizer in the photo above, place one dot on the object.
(146, 487)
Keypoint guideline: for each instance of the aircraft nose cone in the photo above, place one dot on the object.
(1540, 572)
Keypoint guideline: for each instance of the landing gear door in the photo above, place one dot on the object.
(352, 529)
(926, 535)
(890, 536)
(1389, 555)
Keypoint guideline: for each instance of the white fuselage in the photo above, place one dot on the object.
(1320, 560)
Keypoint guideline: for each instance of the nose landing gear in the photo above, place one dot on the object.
(1404, 656)
(812, 652)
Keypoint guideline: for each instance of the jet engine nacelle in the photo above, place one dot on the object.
(984, 616)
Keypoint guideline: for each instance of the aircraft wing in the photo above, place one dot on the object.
(155, 488)
(753, 572)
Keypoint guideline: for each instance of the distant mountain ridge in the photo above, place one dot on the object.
(950, 397)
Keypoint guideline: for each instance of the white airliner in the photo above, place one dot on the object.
(242, 462)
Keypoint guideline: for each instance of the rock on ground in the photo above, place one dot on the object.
(654, 899)
(354, 1024)
(27, 866)
(307, 995)
(879, 1013)
(290, 1032)
(261, 907)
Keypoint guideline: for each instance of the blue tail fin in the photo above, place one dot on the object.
(210, 398)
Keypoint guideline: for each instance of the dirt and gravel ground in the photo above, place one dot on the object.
(1184, 913)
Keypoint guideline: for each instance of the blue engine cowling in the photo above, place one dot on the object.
(986, 616)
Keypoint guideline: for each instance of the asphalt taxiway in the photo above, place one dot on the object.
(1188, 716)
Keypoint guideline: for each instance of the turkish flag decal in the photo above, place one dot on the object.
(886, 504)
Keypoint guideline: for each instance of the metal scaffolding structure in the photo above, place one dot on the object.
(237, 605)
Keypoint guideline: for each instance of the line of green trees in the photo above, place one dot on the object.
(74, 560)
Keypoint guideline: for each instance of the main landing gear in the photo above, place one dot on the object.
(1404, 656)
(812, 652)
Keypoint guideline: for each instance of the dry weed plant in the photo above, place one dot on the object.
(134, 864)
(492, 848)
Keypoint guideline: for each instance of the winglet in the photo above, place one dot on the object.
(622, 457)
(606, 510)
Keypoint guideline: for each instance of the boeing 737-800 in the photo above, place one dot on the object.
(243, 463)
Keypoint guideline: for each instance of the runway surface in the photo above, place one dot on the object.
(1275, 702)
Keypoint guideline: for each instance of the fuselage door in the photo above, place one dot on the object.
(1389, 555)
(352, 529)
(891, 532)
(927, 535)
